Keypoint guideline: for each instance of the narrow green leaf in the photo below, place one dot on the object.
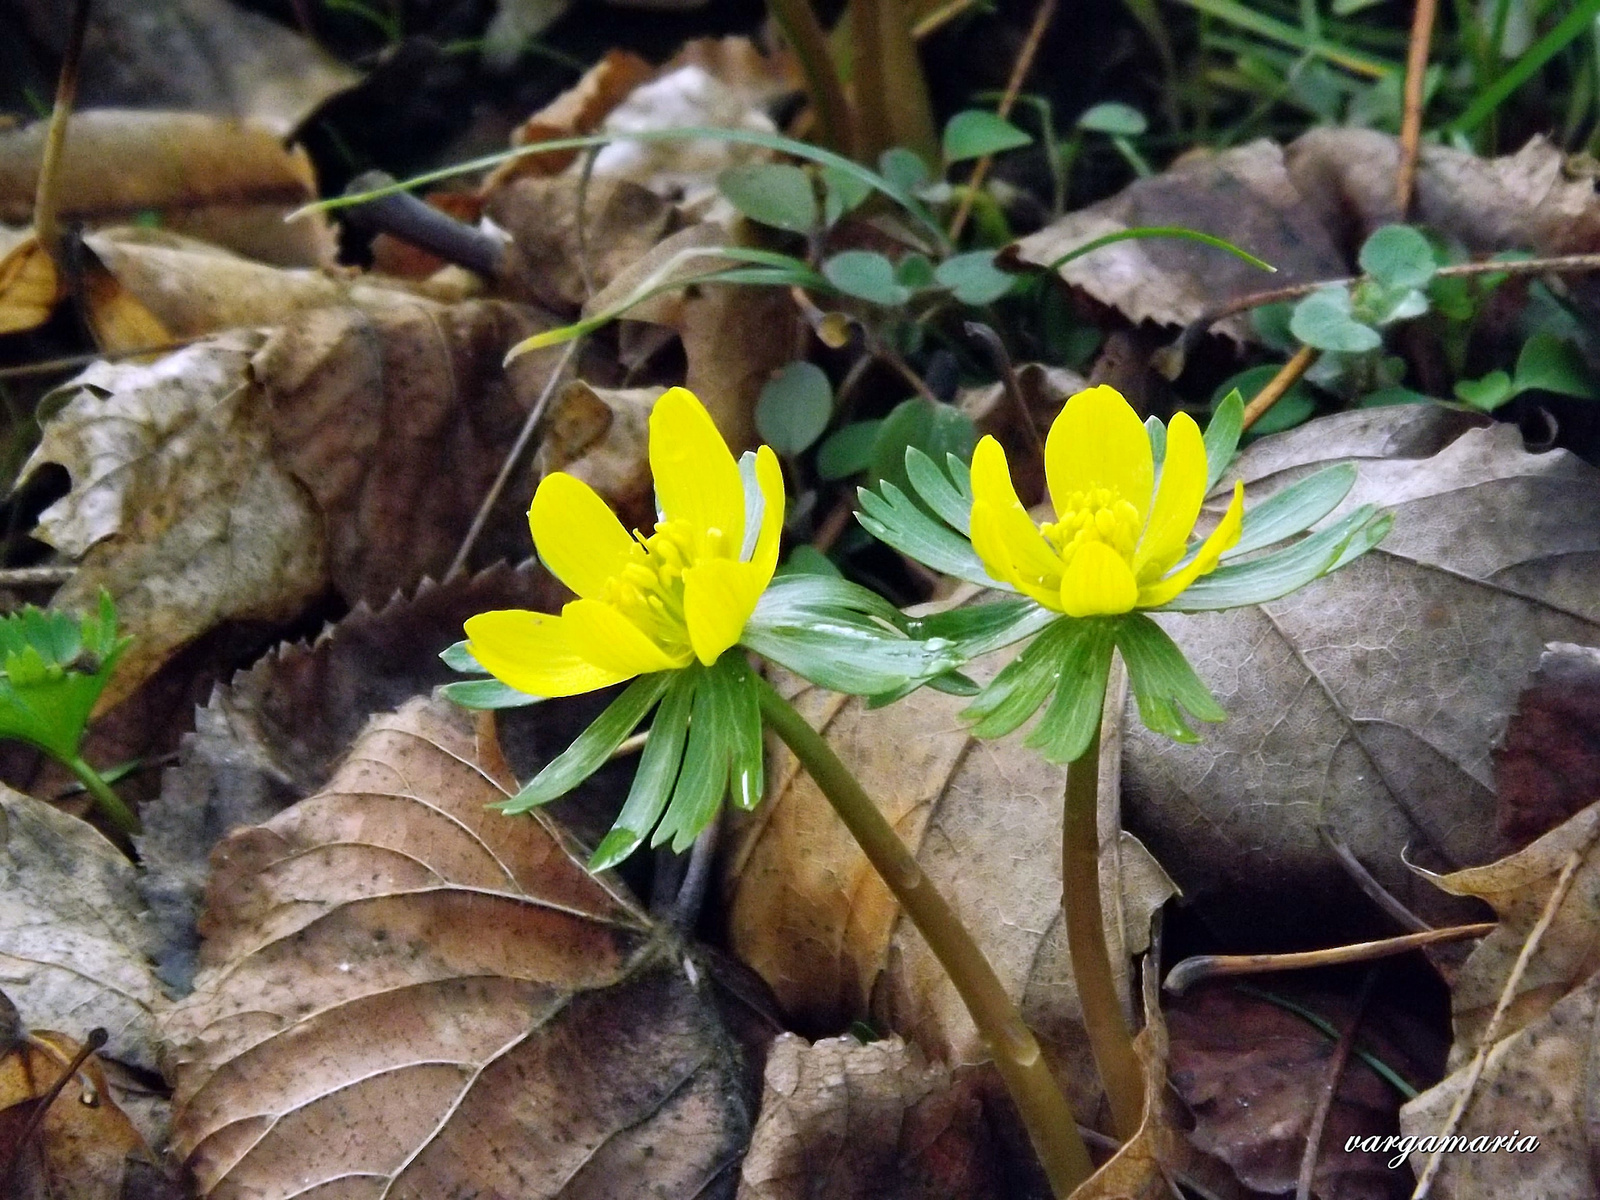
(459, 658)
(1016, 693)
(1163, 682)
(894, 519)
(937, 490)
(747, 781)
(1294, 509)
(1157, 231)
(591, 748)
(975, 133)
(485, 694)
(703, 781)
(803, 599)
(1157, 433)
(978, 629)
(1274, 575)
(1073, 714)
(850, 657)
(654, 779)
(1222, 437)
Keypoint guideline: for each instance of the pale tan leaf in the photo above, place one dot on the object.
(403, 990)
(29, 286)
(177, 507)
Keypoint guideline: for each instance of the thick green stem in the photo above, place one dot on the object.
(1016, 1054)
(118, 813)
(1109, 1038)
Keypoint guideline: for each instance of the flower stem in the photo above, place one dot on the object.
(1016, 1054)
(111, 805)
(1109, 1038)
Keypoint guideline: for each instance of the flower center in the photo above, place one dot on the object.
(1097, 515)
(650, 593)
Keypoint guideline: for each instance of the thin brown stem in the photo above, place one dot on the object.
(1008, 99)
(1288, 375)
(1330, 1088)
(1376, 892)
(1215, 966)
(1016, 1053)
(1417, 49)
(835, 123)
(1109, 1037)
(47, 195)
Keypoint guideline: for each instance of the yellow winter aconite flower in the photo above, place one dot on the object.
(1118, 540)
(645, 603)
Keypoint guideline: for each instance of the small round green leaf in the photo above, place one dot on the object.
(847, 450)
(974, 133)
(1488, 393)
(1397, 256)
(794, 408)
(867, 276)
(903, 168)
(776, 194)
(915, 271)
(841, 193)
(1113, 118)
(974, 278)
(1323, 321)
(935, 429)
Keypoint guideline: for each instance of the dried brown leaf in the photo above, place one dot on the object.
(396, 424)
(177, 507)
(220, 180)
(1244, 195)
(851, 1121)
(1369, 700)
(1252, 1073)
(77, 1149)
(405, 990)
(274, 734)
(1548, 767)
(29, 286)
(578, 110)
(807, 912)
(601, 435)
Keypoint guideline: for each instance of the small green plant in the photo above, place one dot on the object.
(55, 665)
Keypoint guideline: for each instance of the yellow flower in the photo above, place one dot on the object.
(645, 604)
(1117, 537)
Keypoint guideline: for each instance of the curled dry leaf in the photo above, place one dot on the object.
(1548, 767)
(602, 435)
(396, 424)
(177, 507)
(807, 912)
(1369, 701)
(274, 734)
(404, 990)
(220, 180)
(852, 1121)
(1252, 1073)
(1540, 1077)
(87, 1150)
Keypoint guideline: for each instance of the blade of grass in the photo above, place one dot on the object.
(1536, 56)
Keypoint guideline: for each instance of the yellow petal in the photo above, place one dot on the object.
(603, 636)
(993, 546)
(1010, 547)
(769, 477)
(533, 653)
(1097, 583)
(578, 538)
(697, 479)
(718, 597)
(1182, 488)
(1222, 539)
(1096, 441)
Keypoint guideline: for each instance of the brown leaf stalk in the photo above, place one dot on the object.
(1330, 1088)
(47, 196)
(1411, 115)
(1215, 966)
(1110, 1040)
(1016, 1053)
(1288, 375)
